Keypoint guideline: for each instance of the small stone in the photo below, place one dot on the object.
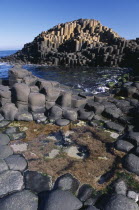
(24, 200)
(4, 139)
(85, 192)
(3, 165)
(5, 151)
(16, 162)
(133, 195)
(17, 136)
(67, 182)
(62, 122)
(19, 147)
(37, 182)
(10, 181)
(120, 187)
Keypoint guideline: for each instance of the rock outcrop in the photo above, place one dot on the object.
(79, 43)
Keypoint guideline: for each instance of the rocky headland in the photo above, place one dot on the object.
(83, 42)
(68, 150)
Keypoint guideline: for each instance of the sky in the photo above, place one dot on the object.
(22, 20)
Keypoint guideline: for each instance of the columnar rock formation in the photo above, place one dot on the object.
(77, 43)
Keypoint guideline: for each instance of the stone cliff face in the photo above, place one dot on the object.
(77, 43)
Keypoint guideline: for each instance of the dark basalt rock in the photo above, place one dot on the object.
(24, 200)
(123, 145)
(10, 181)
(114, 126)
(131, 163)
(4, 139)
(37, 182)
(16, 162)
(120, 202)
(67, 182)
(64, 45)
(5, 151)
(85, 192)
(62, 200)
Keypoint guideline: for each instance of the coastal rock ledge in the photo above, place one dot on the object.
(83, 42)
(26, 98)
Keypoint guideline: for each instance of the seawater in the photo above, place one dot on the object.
(92, 80)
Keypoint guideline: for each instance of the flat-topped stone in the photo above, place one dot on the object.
(4, 139)
(16, 162)
(24, 200)
(5, 151)
(10, 181)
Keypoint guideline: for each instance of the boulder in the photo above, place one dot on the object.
(55, 112)
(5, 92)
(5, 151)
(62, 200)
(85, 192)
(84, 115)
(133, 137)
(22, 106)
(96, 107)
(70, 114)
(9, 111)
(131, 163)
(37, 102)
(49, 105)
(112, 113)
(64, 99)
(123, 145)
(67, 182)
(21, 92)
(10, 181)
(3, 166)
(37, 182)
(24, 200)
(16, 162)
(120, 202)
(114, 126)
(77, 101)
(4, 139)
(120, 187)
(51, 93)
